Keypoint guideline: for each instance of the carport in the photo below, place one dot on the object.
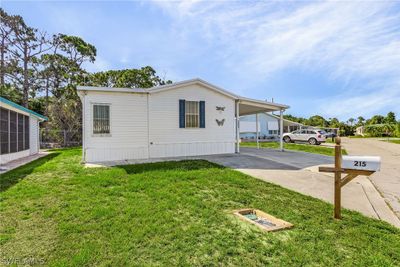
(246, 106)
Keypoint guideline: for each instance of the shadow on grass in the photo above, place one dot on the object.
(183, 165)
(12, 177)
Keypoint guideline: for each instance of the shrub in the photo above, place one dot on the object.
(379, 130)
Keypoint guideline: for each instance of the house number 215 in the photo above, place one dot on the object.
(360, 163)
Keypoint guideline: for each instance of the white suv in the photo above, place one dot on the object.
(312, 136)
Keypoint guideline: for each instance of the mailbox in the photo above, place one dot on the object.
(366, 163)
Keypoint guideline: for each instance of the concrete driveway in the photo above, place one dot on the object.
(387, 181)
(298, 171)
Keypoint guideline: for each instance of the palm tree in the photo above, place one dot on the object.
(360, 121)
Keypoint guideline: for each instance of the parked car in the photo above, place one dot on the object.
(330, 134)
(312, 136)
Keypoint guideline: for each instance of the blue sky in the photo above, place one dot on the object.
(338, 59)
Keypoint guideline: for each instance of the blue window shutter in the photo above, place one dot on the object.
(202, 114)
(181, 113)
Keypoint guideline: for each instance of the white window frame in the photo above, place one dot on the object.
(191, 114)
(92, 118)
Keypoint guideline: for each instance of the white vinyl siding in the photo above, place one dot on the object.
(146, 126)
(192, 117)
(168, 140)
(101, 119)
(128, 137)
(34, 135)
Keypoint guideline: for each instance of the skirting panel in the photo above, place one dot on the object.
(191, 149)
(109, 154)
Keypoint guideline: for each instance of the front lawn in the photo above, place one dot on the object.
(323, 150)
(55, 212)
(394, 141)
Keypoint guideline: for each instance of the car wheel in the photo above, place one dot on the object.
(312, 141)
(286, 139)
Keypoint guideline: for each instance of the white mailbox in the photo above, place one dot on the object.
(366, 163)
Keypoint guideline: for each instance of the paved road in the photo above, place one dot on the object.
(387, 181)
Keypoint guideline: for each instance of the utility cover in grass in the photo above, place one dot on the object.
(263, 220)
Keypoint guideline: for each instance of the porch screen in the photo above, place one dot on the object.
(14, 131)
(4, 131)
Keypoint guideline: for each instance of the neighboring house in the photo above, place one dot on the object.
(360, 130)
(19, 131)
(268, 126)
(186, 118)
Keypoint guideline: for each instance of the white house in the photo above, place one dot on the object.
(268, 126)
(360, 130)
(19, 131)
(187, 118)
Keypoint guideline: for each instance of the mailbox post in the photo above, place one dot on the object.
(352, 166)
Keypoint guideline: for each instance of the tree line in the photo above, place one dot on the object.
(40, 71)
(377, 125)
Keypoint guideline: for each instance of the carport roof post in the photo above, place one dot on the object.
(247, 106)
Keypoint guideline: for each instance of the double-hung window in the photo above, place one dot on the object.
(101, 119)
(192, 114)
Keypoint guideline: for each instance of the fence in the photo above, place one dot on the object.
(58, 139)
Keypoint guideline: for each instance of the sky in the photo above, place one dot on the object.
(337, 58)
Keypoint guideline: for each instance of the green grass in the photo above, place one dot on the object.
(394, 141)
(176, 213)
(328, 151)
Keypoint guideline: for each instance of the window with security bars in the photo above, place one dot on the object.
(101, 119)
(192, 114)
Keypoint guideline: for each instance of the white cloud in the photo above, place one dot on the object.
(100, 64)
(346, 40)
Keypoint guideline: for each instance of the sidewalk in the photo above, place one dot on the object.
(21, 161)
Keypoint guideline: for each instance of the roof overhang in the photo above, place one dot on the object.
(15, 106)
(111, 89)
(195, 81)
(249, 106)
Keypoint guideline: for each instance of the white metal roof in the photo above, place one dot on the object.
(111, 89)
(246, 105)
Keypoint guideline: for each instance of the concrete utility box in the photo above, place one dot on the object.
(366, 163)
